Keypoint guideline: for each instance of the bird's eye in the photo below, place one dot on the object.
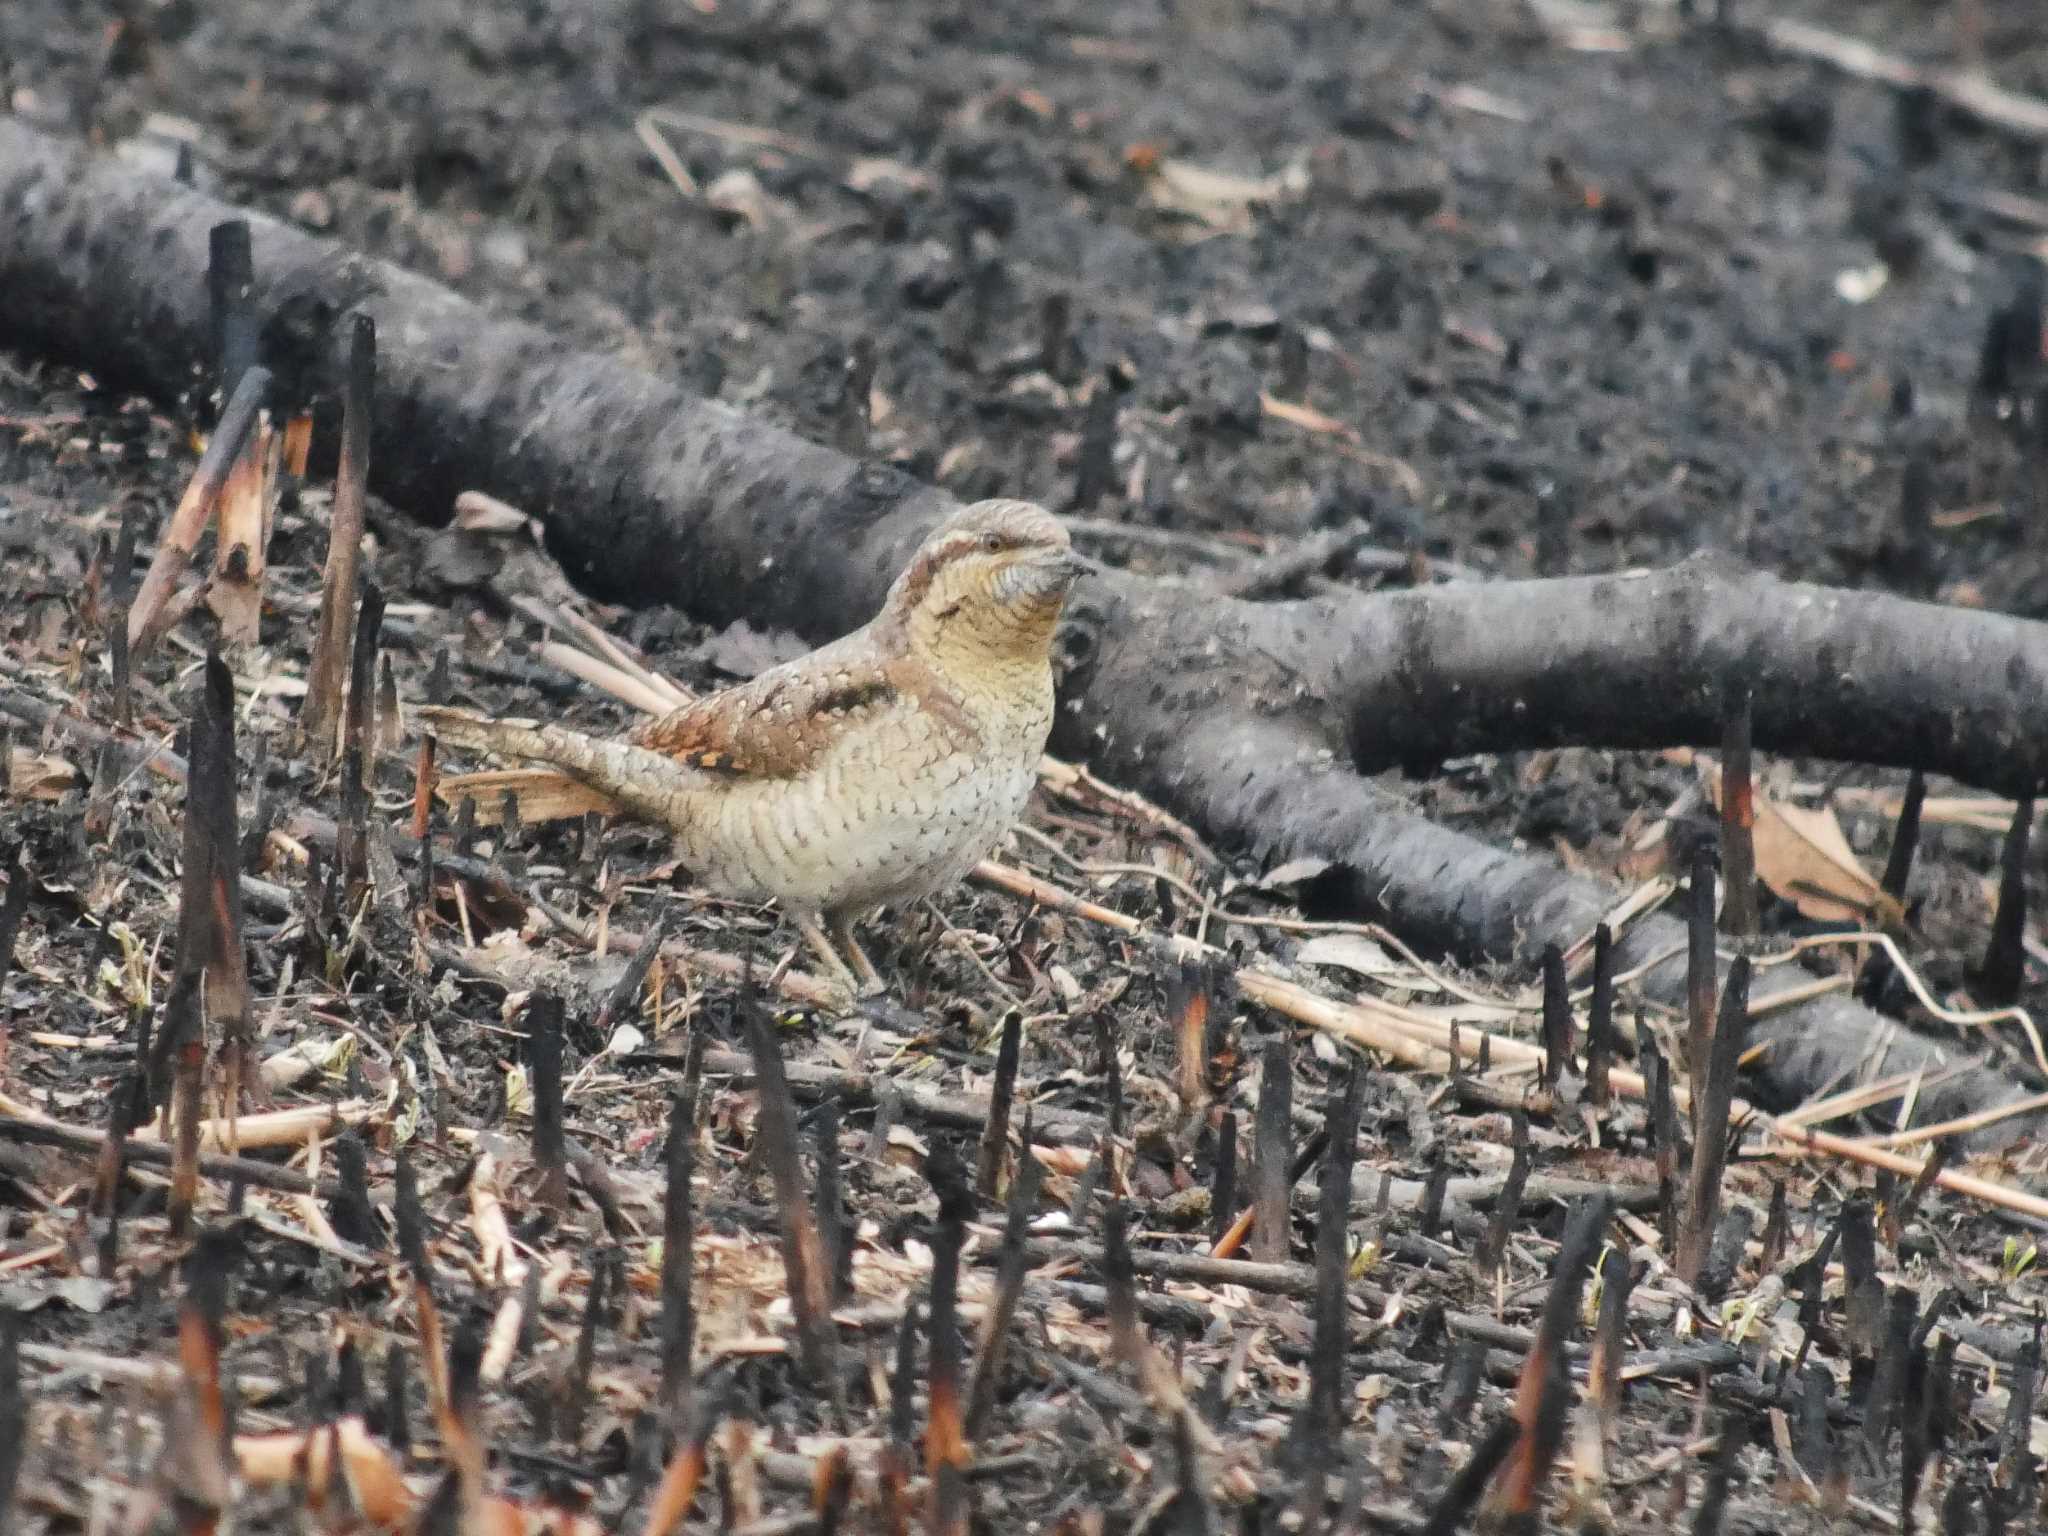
(991, 541)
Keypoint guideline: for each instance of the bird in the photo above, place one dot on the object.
(874, 771)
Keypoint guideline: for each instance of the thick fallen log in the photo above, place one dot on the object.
(1249, 718)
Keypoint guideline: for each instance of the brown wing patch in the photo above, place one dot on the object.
(776, 727)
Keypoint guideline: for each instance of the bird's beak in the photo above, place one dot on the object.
(1057, 569)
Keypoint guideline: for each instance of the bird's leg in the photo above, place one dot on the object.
(871, 983)
(815, 935)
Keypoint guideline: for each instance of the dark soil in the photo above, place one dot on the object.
(1562, 309)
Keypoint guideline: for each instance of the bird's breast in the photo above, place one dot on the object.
(894, 811)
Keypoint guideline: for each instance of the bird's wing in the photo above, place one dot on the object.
(782, 724)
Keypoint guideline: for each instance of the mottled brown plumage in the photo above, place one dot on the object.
(879, 768)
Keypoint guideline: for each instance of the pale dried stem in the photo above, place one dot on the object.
(335, 639)
(180, 539)
(247, 504)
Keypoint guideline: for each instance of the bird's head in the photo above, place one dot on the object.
(987, 586)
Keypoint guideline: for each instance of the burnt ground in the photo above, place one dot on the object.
(1567, 284)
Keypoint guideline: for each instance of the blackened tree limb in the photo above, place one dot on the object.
(651, 494)
(1248, 718)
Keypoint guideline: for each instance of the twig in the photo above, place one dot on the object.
(332, 641)
(1965, 91)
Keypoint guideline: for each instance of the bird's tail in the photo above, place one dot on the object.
(584, 773)
(541, 794)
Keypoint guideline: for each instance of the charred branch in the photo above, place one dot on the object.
(1246, 718)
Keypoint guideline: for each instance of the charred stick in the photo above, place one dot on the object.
(1863, 1289)
(1319, 1429)
(550, 1150)
(803, 1264)
(1738, 821)
(214, 845)
(1223, 1193)
(424, 886)
(395, 1424)
(2015, 1448)
(1011, 1264)
(835, 1239)
(182, 1046)
(1462, 1496)
(424, 778)
(230, 292)
(945, 1444)
(1463, 1377)
(1700, 976)
(1663, 1128)
(994, 1148)
(353, 1217)
(1274, 1135)
(894, 1473)
(1436, 1185)
(387, 729)
(461, 1435)
(331, 644)
(12, 910)
(1712, 1097)
(1777, 1230)
(1557, 1016)
(624, 996)
(131, 1103)
(200, 1463)
(1508, 1209)
(352, 852)
(1600, 1018)
(13, 1411)
(1603, 1375)
(678, 1233)
(831, 1491)
(1898, 865)
(1706, 1520)
(123, 595)
(1924, 1386)
(2005, 957)
(1542, 1396)
(1188, 1003)
(1886, 1395)
(412, 1252)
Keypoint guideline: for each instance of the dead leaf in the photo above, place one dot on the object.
(479, 512)
(1293, 872)
(1349, 952)
(1217, 198)
(39, 775)
(1803, 857)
